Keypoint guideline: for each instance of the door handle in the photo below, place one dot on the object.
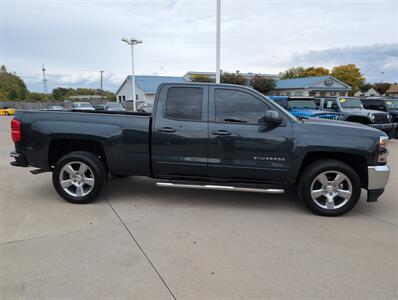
(221, 132)
(166, 129)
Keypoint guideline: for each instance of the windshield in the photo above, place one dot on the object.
(114, 105)
(302, 104)
(83, 104)
(392, 104)
(350, 103)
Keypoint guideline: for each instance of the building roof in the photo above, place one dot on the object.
(393, 89)
(246, 75)
(149, 84)
(304, 82)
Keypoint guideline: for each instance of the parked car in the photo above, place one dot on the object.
(304, 107)
(352, 110)
(6, 111)
(99, 106)
(82, 106)
(207, 136)
(384, 104)
(145, 107)
(114, 106)
(55, 107)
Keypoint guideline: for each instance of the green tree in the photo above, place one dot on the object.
(316, 71)
(39, 96)
(262, 84)
(349, 74)
(293, 73)
(233, 78)
(201, 78)
(299, 72)
(381, 87)
(12, 85)
(365, 87)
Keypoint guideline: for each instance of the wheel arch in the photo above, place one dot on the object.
(355, 161)
(59, 147)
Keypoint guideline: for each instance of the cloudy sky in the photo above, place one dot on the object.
(77, 38)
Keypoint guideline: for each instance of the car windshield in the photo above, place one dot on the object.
(83, 104)
(392, 104)
(114, 105)
(302, 104)
(350, 103)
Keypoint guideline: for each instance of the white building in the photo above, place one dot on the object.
(145, 87)
(369, 93)
(318, 86)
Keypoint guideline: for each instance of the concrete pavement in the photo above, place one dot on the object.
(143, 242)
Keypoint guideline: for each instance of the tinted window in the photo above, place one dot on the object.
(237, 106)
(330, 104)
(184, 103)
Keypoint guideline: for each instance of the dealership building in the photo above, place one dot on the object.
(321, 86)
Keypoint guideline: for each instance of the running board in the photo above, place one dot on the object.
(219, 187)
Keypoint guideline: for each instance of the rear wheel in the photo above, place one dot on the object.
(79, 177)
(6, 113)
(330, 187)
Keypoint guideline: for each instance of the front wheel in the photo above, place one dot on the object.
(330, 187)
(6, 113)
(79, 177)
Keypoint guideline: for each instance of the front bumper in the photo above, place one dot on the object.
(377, 180)
(384, 127)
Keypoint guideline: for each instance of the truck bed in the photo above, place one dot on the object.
(122, 136)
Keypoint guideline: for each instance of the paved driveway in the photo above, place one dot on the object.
(143, 242)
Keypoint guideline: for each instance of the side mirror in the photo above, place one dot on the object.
(272, 117)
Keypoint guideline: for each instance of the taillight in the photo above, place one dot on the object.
(16, 130)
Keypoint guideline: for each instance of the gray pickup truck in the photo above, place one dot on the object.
(209, 136)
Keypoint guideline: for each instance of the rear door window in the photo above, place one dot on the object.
(184, 103)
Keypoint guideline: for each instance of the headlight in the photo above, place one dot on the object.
(389, 117)
(372, 117)
(383, 152)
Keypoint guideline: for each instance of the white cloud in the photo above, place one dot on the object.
(78, 38)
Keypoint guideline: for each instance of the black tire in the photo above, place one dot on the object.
(97, 170)
(6, 113)
(309, 176)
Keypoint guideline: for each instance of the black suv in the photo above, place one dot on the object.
(352, 110)
(384, 104)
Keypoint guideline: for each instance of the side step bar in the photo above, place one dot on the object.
(218, 187)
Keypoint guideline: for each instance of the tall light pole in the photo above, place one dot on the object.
(132, 42)
(218, 38)
(102, 92)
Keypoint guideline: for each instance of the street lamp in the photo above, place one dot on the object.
(132, 42)
(218, 72)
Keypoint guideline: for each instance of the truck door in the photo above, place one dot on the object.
(240, 145)
(180, 131)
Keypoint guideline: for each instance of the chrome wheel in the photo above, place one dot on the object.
(77, 179)
(331, 190)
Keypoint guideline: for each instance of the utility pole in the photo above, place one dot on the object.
(102, 91)
(43, 69)
(132, 42)
(218, 39)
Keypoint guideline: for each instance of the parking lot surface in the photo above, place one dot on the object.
(142, 242)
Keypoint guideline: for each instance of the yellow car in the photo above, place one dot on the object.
(7, 111)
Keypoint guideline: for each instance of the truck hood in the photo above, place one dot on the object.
(340, 128)
(361, 111)
(310, 112)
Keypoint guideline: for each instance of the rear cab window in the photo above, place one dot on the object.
(184, 103)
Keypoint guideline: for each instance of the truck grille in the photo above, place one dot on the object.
(381, 118)
(329, 117)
